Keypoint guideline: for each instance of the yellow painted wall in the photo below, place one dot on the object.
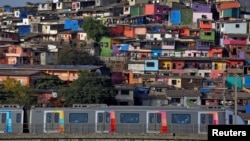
(165, 64)
(178, 82)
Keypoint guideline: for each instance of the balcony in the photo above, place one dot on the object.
(235, 42)
(202, 47)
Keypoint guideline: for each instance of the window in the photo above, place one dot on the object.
(129, 118)
(174, 82)
(48, 117)
(3, 118)
(181, 118)
(230, 119)
(79, 117)
(150, 64)
(56, 117)
(206, 119)
(125, 92)
(237, 25)
(105, 44)
(152, 118)
(100, 117)
(158, 89)
(18, 118)
(208, 33)
(204, 17)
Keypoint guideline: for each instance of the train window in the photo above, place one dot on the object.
(3, 118)
(203, 119)
(18, 118)
(56, 118)
(151, 118)
(210, 119)
(78, 117)
(158, 118)
(107, 117)
(181, 118)
(48, 117)
(100, 117)
(230, 119)
(129, 118)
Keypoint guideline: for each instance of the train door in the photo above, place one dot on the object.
(156, 122)
(102, 122)
(204, 120)
(53, 121)
(3, 124)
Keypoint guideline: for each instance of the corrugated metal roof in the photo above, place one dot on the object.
(228, 5)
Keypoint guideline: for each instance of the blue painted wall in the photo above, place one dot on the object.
(73, 24)
(140, 91)
(175, 17)
(7, 9)
(151, 65)
(246, 81)
(23, 30)
(156, 52)
(24, 14)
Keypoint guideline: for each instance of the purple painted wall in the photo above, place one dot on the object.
(241, 54)
(115, 50)
(201, 7)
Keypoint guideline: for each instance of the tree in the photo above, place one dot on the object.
(74, 56)
(89, 88)
(52, 82)
(17, 93)
(94, 29)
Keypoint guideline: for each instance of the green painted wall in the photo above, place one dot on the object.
(207, 35)
(137, 10)
(231, 80)
(234, 13)
(105, 44)
(186, 16)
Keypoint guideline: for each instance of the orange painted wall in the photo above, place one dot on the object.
(215, 73)
(205, 24)
(129, 32)
(184, 32)
(215, 50)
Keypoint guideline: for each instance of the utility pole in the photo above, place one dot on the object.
(235, 99)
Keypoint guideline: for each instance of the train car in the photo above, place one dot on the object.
(11, 118)
(76, 119)
(129, 119)
(181, 120)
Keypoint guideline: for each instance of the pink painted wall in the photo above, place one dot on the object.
(140, 30)
(228, 40)
(198, 15)
(179, 71)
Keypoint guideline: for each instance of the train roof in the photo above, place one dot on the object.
(133, 108)
(10, 106)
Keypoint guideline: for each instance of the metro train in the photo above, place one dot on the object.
(101, 118)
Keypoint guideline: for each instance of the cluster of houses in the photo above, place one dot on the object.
(181, 52)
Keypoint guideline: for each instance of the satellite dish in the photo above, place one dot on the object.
(54, 94)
